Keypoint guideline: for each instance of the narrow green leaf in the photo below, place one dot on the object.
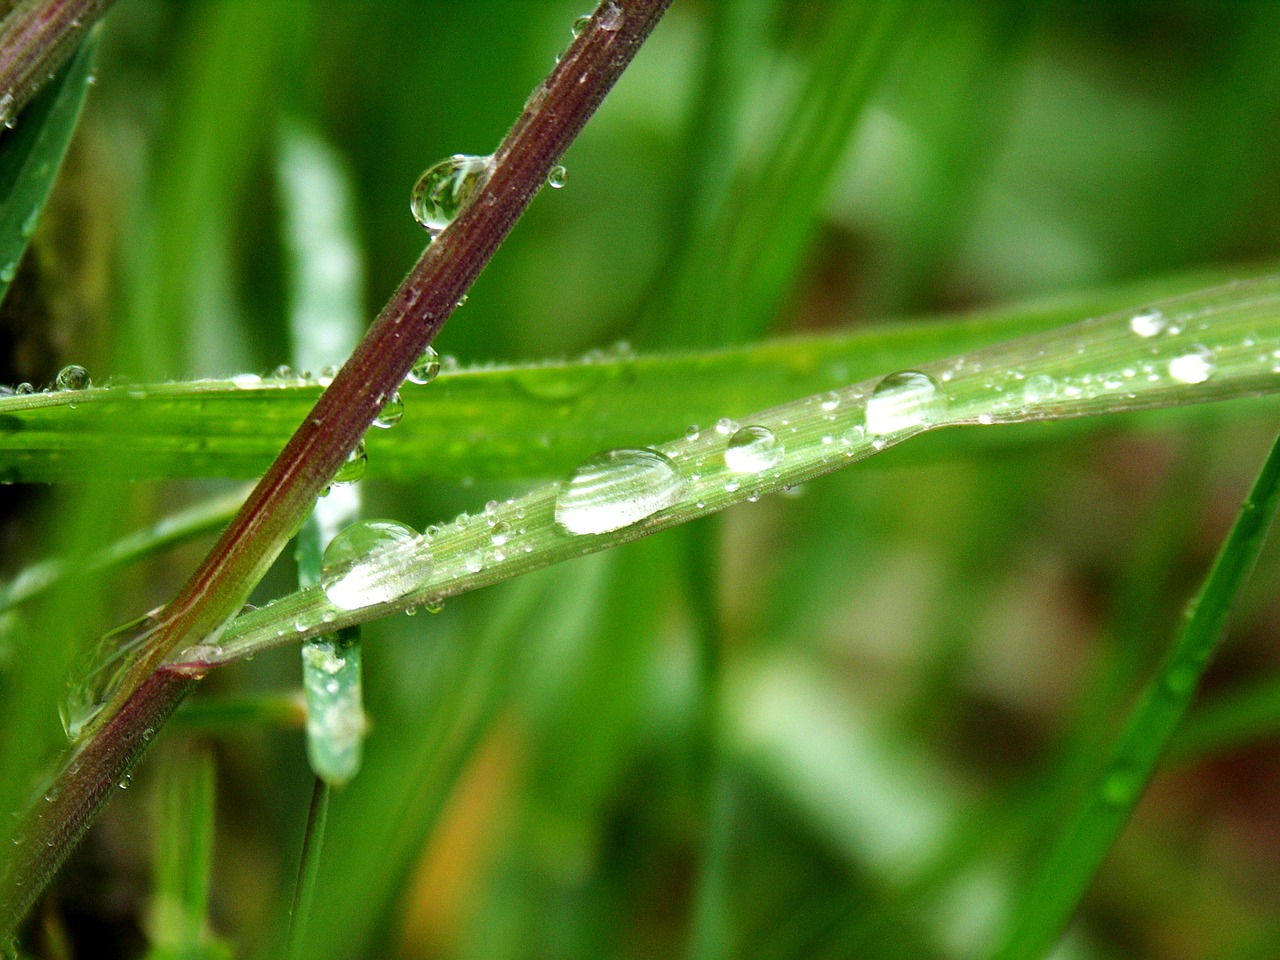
(492, 423)
(1237, 719)
(1210, 345)
(1066, 871)
(31, 155)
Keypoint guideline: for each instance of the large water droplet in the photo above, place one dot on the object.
(753, 450)
(372, 561)
(557, 177)
(617, 488)
(444, 189)
(72, 377)
(903, 401)
(391, 413)
(1148, 323)
(1194, 366)
(104, 668)
(427, 367)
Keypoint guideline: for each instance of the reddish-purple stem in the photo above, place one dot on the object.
(552, 117)
(36, 38)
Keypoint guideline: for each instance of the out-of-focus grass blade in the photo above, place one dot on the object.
(1232, 720)
(31, 155)
(1068, 868)
(748, 256)
(194, 521)
(505, 422)
(183, 858)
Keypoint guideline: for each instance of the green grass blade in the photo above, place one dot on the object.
(1100, 365)
(492, 423)
(750, 256)
(1067, 870)
(31, 155)
(308, 869)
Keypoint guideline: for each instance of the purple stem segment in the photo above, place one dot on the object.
(36, 38)
(552, 117)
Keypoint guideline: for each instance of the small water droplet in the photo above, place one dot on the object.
(1122, 785)
(500, 534)
(427, 367)
(31, 222)
(354, 467)
(580, 24)
(1148, 323)
(610, 16)
(753, 450)
(831, 401)
(372, 561)
(903, 401)
(726, 427)
(433, 606)
(617, 488)
(24, 389)
(391, 413)
(557, 177)
(1039, 388)
(1194, 366)
(445, 189)
(9, 272)
(1181, 679)
(72, 377)
(474, 561)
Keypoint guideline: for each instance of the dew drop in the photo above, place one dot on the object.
(580, 24)
(1122, 785)
(1039, 388)
(372, 561)
(72, 377)
(557, 177)
(427, 367)
(1194, 366)
(391, 413)
(1148, 323)
(354, 467)
(24, 389)
(610, 16)
(903, 401)
(726, 427)
(474, 561)
(753, 450)
(500, 534)
(445, 189)
(615, 489)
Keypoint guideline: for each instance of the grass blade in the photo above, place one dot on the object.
(489, 423)
(1071, 864)
(32, 155)
(1215, 344)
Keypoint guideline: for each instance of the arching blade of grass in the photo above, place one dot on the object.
(1070, 865)
(1213, 345)
(31, 155)
(492, 423)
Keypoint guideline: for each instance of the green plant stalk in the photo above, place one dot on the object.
(1094, 367)
(1232, 720)
(1071, 864)
(552, 117)
(36, 39)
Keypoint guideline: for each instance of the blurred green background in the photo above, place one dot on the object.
(844, 723)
